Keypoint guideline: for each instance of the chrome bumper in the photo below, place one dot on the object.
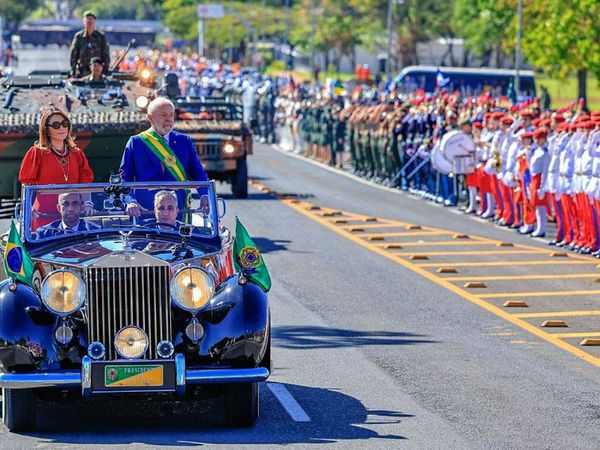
(82, 379)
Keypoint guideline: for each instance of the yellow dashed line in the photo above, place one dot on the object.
(420, 269)
(539, 294)
(525, 277)
(473, 252)
(403, 233)
(576, 335)
(441, 243)
(507, 263)
(558, 314)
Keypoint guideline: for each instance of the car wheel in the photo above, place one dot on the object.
(241, 404)
(239, 183)
(18, 409)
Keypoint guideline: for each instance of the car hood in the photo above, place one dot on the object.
(87, 253)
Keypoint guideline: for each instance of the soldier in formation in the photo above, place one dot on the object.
(529, 165)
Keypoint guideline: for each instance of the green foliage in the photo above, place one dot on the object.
(14, 12)
(563, 36)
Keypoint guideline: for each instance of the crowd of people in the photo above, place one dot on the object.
(530, 165)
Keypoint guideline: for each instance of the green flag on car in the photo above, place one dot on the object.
(17, 263)
(248, 260)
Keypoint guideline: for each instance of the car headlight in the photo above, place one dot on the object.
(192, 288)
(229, 148)
(142, 102)
(63, 292)
(131, 342)
(146, 74)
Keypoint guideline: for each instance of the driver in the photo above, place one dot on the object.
(70, 206)
(165, 211)
(96, 71)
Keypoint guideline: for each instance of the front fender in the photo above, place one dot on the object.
(23, 344)
(236, 327)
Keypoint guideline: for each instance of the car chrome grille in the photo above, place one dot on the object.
(122, 296)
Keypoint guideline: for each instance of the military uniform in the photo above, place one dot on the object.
(84, 48)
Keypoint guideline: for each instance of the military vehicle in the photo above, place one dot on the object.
(222, 139)
(104, 115)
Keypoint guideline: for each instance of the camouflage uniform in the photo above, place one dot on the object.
(84, 48)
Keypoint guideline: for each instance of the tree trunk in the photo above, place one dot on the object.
(582, 87)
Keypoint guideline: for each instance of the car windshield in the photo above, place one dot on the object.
(52, 212)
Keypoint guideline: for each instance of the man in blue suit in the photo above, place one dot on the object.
(159, 154)
(70, 207)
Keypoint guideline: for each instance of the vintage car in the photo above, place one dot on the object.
(130, 306)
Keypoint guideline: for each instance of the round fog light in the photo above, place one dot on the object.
(63, 334)
(96, 350)
(131, 342)
(228, 148)
(194, 330)
(165, 349)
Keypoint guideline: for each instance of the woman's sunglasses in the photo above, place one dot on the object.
(56, 125)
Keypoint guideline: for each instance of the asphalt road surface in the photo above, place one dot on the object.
(374, 345)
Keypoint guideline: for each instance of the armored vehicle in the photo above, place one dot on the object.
(104, 114)
(222, 139)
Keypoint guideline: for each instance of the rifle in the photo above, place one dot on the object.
(131, 43)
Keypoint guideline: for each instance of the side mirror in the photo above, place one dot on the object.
(221, 207)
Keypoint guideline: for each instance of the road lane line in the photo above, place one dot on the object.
(402, 233)
(289, 403)
(441, 243)
(542, 262)
(557, 314)
(525, 277)
(576, 335)
(472, 252)
(419, 269)
(539, 294)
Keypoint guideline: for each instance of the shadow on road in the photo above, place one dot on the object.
(335, 416)
(266, 245)
(298, 337)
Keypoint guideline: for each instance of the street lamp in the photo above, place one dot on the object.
(390, 15)
(518, 48)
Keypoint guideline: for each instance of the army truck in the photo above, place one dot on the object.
(222, 140)
(104, 115)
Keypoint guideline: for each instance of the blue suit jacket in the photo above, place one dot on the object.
(139, 163)
(54, 228)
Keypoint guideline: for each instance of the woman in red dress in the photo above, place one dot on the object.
(54, 159)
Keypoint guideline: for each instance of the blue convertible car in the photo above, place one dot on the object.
(122, 305)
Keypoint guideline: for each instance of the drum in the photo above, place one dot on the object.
(456, 143)
(463, 165)
(439, 162)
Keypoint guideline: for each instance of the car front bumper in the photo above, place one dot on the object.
(82, 378)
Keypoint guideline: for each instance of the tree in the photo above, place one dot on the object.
(483, 25)
(14, 12)
(563, 38)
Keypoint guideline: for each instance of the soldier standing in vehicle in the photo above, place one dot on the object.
(88, 43)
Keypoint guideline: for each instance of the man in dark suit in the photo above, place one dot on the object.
(159, 154)
(70, 207)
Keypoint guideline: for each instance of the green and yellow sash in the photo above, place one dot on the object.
(157, 144)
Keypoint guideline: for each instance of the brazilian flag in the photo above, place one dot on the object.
(247, 258)
(17, 263)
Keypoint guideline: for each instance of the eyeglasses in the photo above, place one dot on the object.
(56, 125)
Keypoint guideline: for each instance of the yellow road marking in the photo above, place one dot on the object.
(506, 263)
(540, 294)
(442, 243)
(404, 233)
(524, 277)
(370, 225)
(576, 335)
(473, 252)
(419, 269)
(558, 314)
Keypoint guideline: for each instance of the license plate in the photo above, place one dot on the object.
(118, 376)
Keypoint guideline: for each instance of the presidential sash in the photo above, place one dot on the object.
(157, 144)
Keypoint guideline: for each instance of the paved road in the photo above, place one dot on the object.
(378, 349)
